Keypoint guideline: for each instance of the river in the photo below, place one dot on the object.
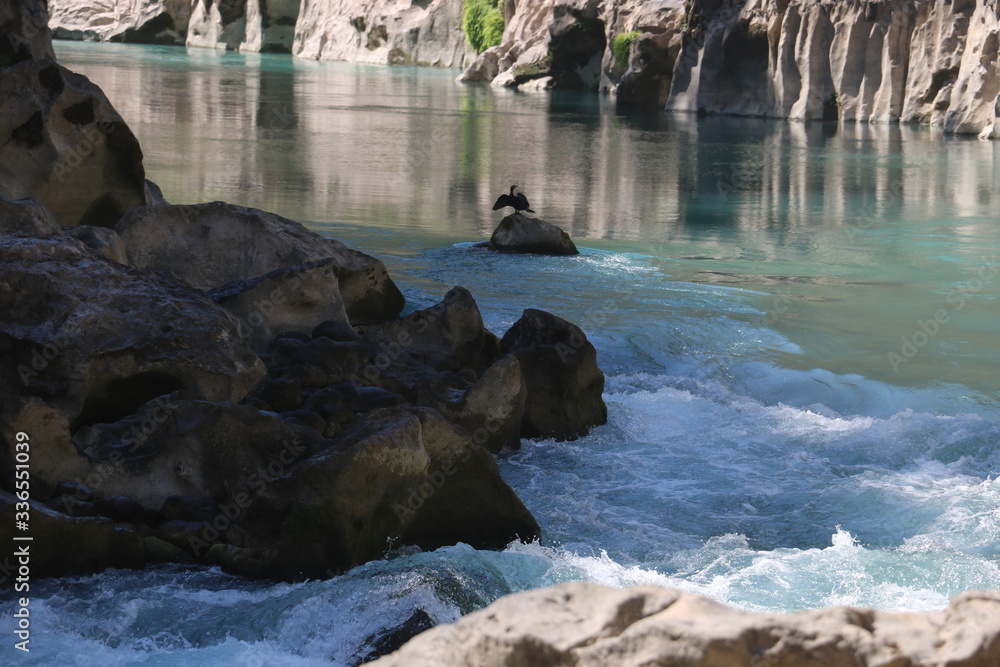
(799, 325)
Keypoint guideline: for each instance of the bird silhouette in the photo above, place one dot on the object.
(517, 201)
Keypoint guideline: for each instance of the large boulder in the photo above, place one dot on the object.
(139, 21)
(211, 245)
(400, 476)
(587, 624)
(293, 299)
(85, 340)
(24, 25)
(519, 233)
(560, 370)
(63, 143)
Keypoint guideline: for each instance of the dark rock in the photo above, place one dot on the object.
(521, 234)
(89, 341)
(388, 640)
(452, 329)
(102, 240)
(63, 143)
(293, 335)
(404, 473)
(646, 82)
(72, 506)
(63, 545)
(290, 300)
(158, 551)
(25, 27)
(306, 418)
(280, 394)
(26, 216)
(211, 245)
(185, 535)
(335, 330)
(154, 196)
(560, 371)
(338, 361)
(120, 509)
(74, 489)
(189, 508)
(220, 451)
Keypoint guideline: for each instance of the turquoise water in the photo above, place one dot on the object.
(798, 324)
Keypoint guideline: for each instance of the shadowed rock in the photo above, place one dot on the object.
(560, 370)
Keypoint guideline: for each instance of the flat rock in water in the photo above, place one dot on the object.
(519, 233)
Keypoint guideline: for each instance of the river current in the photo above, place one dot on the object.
(798, 323)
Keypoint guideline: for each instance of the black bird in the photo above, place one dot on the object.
(517, 201)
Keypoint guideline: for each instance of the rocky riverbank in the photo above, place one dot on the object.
(219, 385)
(587, 624)
(931, 62)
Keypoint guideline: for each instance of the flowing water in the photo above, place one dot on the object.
(798, 323)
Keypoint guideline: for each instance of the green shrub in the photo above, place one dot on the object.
(482, 22)
(620, 45)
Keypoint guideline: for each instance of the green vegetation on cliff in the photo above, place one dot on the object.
(482, 22)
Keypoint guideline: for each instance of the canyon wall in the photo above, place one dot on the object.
(933, 62)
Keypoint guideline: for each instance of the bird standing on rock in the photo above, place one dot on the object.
(517, 201)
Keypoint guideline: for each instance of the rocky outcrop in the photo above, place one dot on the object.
(139, 21)
(559, 364)
(588, 624)
(24, 25)
(63, 143)
(85, 340)
(217, 24)
(519, 233)
(211, 245)
(383, 32)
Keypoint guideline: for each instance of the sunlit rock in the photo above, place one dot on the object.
(519, 233)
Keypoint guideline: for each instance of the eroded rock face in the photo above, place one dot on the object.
(519, 233)
(217, 24)
(63, 143)
(85, 340)
(383, 32)
(560, 370)
(587, 624)
(26, 216)
(139, 21)
(24, 25)
(211, 245)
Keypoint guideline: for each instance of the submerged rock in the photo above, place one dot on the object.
(519, 233)
(63, 143)
(559, 364)
(581, 623)
(211, 245)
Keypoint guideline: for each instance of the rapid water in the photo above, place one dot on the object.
(798, 324)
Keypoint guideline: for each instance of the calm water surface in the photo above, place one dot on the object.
(799, 324)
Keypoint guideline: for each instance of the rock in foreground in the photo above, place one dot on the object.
(519, 233)
(587, 624)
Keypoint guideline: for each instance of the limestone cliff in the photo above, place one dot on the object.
(587, 624)
(371, 31)
(926, 61)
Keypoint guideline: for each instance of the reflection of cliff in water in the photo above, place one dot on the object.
(405, 148)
